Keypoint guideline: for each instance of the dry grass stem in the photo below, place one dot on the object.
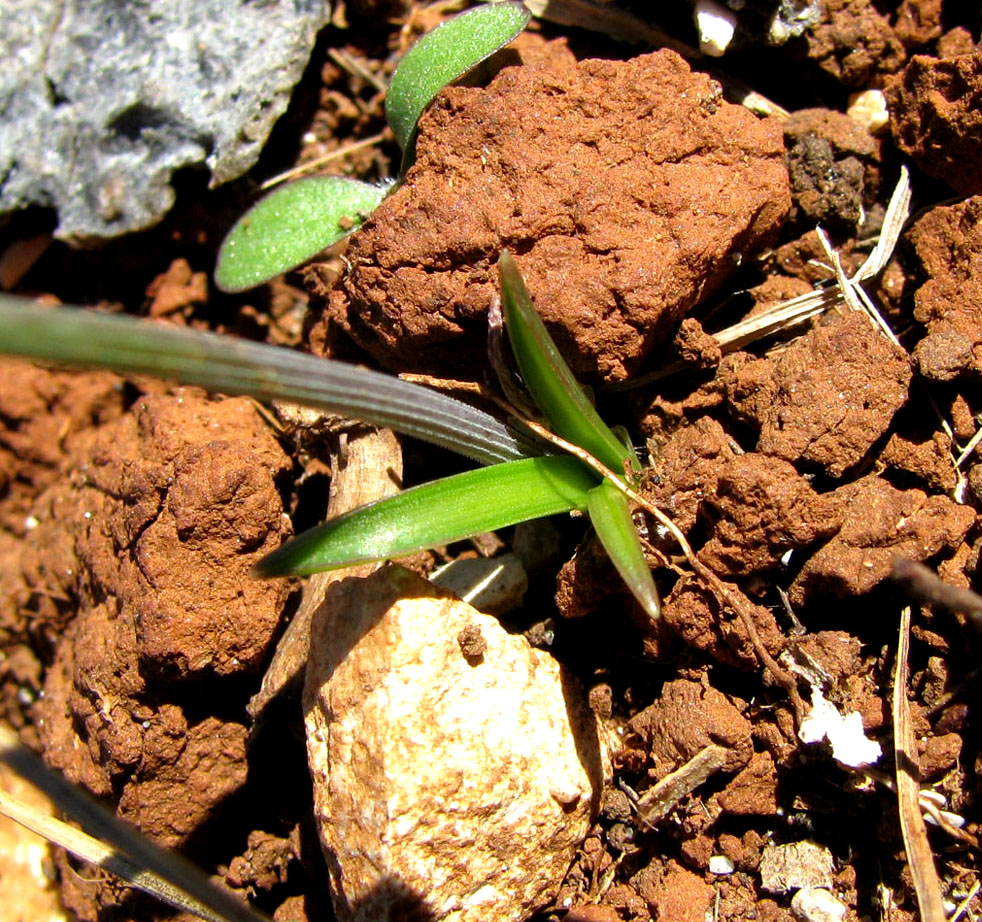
(353, 66)
(973, 443)
(798, 311)
(962, 907)
(912, 827)
(338, 154)
(112, 844)
(86, 848)
(724, 594)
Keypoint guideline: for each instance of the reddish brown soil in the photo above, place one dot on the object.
(633, 194)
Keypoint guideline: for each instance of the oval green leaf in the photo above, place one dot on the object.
(611, 518)
(549, 379)
(437, 513)
(444, 55)
(290, 225)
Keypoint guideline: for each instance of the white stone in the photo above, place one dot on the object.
(817, 905)
(457, 786)
(495, 585)
(716, 25)
(720, 864)
(869, 108)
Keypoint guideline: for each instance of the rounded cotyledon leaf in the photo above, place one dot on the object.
(444, 55)
(290, 225)
(549, 379)
(437, 513)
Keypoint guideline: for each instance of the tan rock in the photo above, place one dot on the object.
(455, 786)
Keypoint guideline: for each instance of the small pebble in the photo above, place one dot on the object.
(798, 865)
(817, 905)
(716, 25)
(720, 864)
(494, 585)
(869, 108)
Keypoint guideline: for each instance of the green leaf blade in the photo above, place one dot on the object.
(437, 513)
(290, 225)
(444, 55)
(611, 518)
(81, 338)
(549, 379)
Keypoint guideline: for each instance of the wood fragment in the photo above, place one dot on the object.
(912, 826)
(366, 466)
(659, 800)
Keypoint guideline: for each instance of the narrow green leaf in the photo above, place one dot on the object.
(444, 55)
(549, 379)
(290, 225)
(611, 518)
(73, 336)
(437, 513)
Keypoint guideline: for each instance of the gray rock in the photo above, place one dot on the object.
(101, 101)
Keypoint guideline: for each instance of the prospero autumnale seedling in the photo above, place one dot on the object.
(504, 494)
(521, 482)
(299, 220)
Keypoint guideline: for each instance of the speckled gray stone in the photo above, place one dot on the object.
(101, 101)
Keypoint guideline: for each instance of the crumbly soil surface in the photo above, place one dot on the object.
(645, 208)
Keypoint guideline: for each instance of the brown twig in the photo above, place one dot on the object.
(925, 586)
(660, 799)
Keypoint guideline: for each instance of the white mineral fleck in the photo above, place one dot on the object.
(869, 108)
(444, 786)
(845, 733)
(720, 864)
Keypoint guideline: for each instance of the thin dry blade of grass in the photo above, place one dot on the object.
(798, 311)
(113, 845)
(912, 826)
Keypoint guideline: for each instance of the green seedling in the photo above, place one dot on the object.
(466, 504)
(299, 220)
(520, 482)
(523, 481)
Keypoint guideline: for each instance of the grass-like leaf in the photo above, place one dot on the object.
(549, 379)
(123, 344)
(444, 55)
(437, 513)
(290, 225)
(611, 519)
